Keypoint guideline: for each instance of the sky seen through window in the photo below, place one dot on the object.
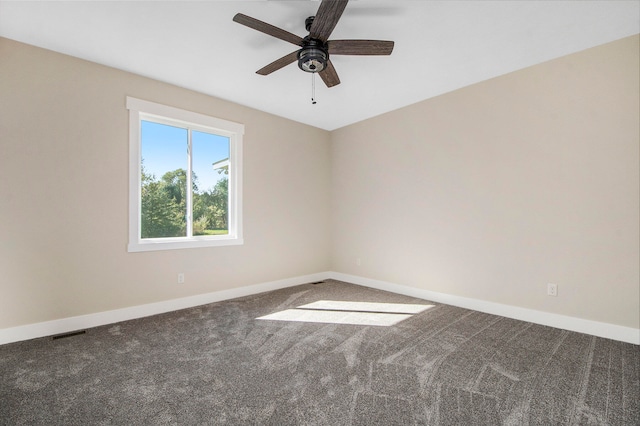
(164, 149)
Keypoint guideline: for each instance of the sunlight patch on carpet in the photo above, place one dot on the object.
(393, 308)
(353, 313)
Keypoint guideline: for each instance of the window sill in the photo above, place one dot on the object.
(182, 243)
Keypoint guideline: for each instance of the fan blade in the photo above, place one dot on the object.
(279, 63)
(360, 47)
(327, 18)
(329, 75)
(268, 29)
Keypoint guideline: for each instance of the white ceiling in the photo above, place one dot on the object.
(440, 46)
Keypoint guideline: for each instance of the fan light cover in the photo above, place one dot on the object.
(312, 59)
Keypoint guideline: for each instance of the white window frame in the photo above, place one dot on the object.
(145, 110)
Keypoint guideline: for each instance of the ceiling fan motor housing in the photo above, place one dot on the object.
(313, 56)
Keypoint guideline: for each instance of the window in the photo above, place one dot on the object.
(185, 178)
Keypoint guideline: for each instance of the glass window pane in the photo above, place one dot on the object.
(210, 163)
(164, 173)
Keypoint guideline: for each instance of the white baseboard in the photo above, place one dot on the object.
(66, 325)
(594, 328)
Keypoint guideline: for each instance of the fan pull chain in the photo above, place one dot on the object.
(313, 88)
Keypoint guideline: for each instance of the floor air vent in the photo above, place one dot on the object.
(63, 336)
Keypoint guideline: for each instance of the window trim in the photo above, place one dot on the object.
(140, 109)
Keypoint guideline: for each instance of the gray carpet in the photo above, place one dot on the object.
(218, 364)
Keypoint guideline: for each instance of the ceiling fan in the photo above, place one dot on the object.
(316, 48)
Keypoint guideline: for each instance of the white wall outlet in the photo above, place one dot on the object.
(358, 261)
(552, 289)
(181, 278)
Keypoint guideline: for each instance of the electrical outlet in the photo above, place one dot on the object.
(552, 289)
(181, 278)
(358, 261)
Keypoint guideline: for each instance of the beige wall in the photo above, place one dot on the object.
(489, 192)
(64, 194)
(492, 191)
